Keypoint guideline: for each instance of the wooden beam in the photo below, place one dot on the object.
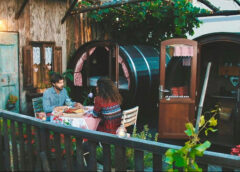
(220, 13)
(17, 15)
(237, 1)
(209, 5)
(109, 5)
(69, 11)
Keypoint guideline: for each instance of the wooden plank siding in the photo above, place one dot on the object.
(225, 161)
(40, 20)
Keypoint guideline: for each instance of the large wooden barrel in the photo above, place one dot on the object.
(141, 63)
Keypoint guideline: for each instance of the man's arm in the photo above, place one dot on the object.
(67, 98)
(46, 103)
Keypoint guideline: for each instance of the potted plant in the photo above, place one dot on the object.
(11, 103)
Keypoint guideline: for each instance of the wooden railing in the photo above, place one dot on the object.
(26, 144)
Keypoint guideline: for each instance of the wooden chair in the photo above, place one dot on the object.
(130, 117)
(38, 107)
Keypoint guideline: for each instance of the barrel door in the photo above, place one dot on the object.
(177, 89)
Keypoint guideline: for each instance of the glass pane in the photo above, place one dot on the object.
(36, 55)
(178, 71)
(48, 55)
(36, 66)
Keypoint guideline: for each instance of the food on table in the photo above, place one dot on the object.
(70, 110)
(74, 110)
(79, 111)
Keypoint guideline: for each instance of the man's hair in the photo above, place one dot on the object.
(55, 77)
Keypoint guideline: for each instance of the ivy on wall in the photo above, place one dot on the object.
(148, 22)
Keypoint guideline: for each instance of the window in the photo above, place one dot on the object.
(39, 59)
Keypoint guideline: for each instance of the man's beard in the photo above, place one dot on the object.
(58, 88)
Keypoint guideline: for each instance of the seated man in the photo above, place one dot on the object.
(55, 97)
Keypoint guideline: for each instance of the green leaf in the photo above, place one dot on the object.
(206, 132)
(202, 121)
(196, 168)
(212, 122)
(194, 152)
(190, 129)
(168, 160)
(170, 152)
(180, 160)
(202, 147)
(212, 129)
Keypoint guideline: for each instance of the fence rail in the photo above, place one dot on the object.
(27, 143)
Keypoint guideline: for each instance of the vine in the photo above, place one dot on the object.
(148, 22)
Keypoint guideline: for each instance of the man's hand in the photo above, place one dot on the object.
(78, 105)
(60, 108)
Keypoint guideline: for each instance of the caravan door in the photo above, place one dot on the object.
(177, 89)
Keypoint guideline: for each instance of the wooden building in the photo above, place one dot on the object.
(34, 41)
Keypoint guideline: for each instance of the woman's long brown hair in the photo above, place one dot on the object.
(108, 91)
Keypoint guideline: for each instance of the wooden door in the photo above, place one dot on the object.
(177, 90)
(9, 76)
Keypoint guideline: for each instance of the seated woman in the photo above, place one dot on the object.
(107, 106)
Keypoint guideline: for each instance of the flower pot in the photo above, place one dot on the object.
(10, 106)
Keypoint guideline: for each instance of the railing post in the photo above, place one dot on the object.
(79, 153)
(157, 162)
(43, 148)
(6, 146)
(106, 157)
(1, 146)
(38, 149)
(139, 162)
(68, 147)
(92, 163)
(29, 148)
(22, 152)
(120, 158)
(44, 161)
(57, 144)
(14, 147)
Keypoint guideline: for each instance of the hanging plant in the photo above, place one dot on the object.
(148, 22)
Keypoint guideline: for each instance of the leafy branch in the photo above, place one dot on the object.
(149, 22)
(186, 156)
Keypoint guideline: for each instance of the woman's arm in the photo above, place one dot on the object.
(97, 107)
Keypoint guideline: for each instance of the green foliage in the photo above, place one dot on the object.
(145, 135)
(185, 158)
(148, 22)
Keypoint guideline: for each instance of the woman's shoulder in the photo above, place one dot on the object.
(105, 103)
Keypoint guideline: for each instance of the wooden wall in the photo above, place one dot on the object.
(85, 30)
(40, 21)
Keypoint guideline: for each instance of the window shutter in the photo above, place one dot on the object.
(57, 61)
(28, 66)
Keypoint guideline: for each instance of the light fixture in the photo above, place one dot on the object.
(2, 25)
